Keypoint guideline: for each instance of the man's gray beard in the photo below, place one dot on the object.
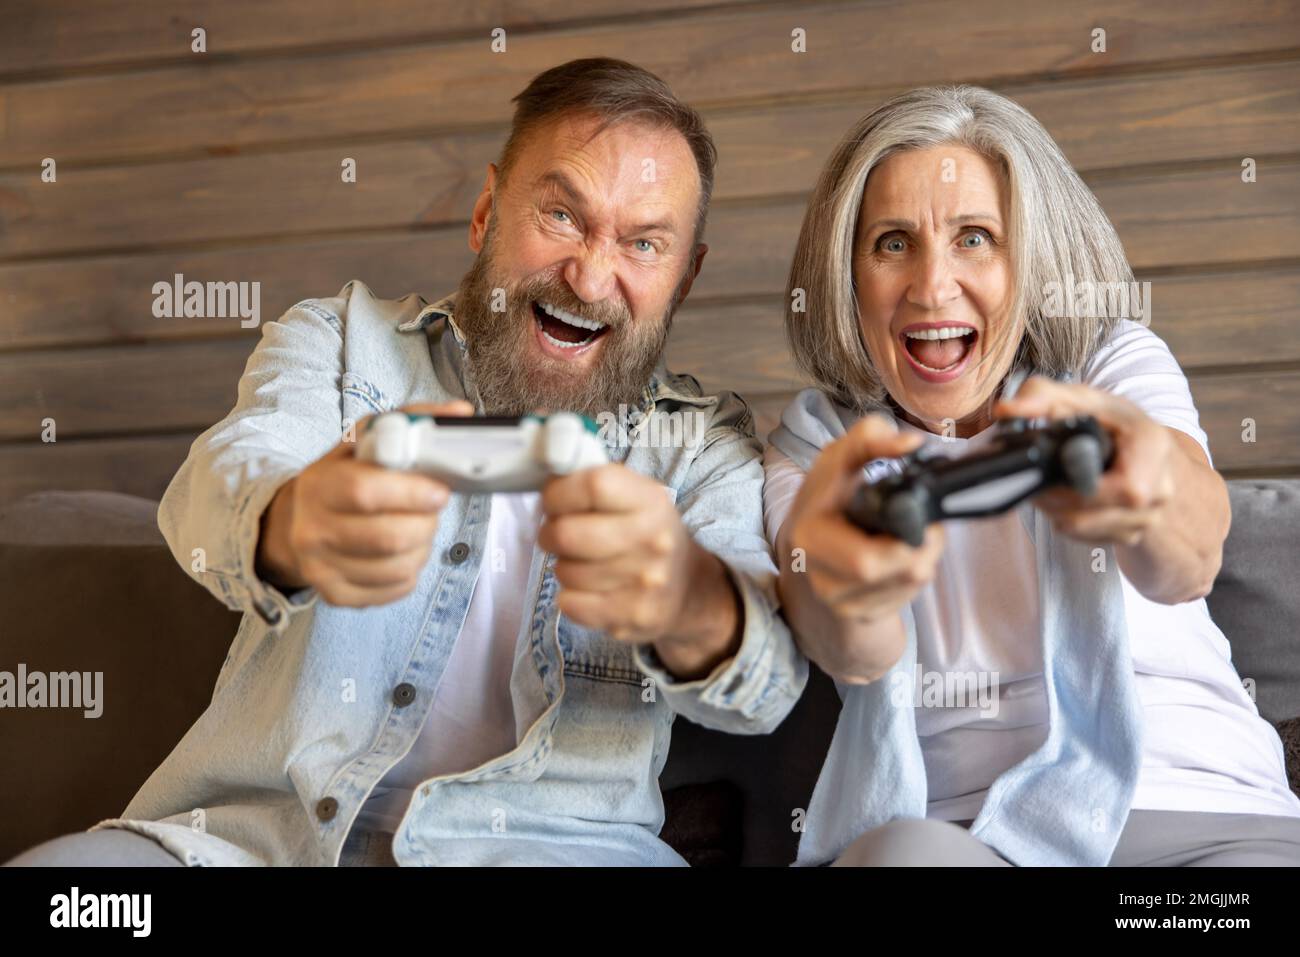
(511, 377)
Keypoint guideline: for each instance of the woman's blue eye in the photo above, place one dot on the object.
(893, 245)
(978, 237)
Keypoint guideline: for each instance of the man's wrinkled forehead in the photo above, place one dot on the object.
(644, 177)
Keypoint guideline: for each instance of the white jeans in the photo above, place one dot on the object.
(1149, 839)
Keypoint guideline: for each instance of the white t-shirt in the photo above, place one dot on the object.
(472, 719)
(1205, 747)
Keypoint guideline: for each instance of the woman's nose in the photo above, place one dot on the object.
(934, 283)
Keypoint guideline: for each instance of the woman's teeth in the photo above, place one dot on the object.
(947, 332)
(933, 369)
(945, 347)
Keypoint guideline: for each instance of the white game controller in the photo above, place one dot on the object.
(483, 453)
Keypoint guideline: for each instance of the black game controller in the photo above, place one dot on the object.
(1024, 457)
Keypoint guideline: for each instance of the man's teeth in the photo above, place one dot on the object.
(555, 312)
(947, 332)
(561, 343)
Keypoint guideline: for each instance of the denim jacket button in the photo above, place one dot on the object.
(326, 808)
(268, 612)
(458, 552)
(403, 694)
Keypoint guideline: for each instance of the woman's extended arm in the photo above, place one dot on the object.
(842, 590)
(1179, 556)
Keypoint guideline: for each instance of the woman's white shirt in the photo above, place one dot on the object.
(981, 705)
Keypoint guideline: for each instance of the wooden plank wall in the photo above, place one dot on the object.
(225, 166)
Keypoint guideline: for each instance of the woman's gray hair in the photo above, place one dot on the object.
(1058, 234)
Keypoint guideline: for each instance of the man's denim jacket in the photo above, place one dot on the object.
(314, 703)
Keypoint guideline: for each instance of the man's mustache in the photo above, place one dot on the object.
(606, 312)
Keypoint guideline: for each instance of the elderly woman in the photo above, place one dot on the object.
(945, 247)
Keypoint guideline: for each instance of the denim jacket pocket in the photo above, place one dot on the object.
(362, 398)
(589, 653)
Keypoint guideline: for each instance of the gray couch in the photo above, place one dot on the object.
(87, 584)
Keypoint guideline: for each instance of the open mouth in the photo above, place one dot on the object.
(563, 329)
(940, 349)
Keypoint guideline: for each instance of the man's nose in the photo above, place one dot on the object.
(590, 274)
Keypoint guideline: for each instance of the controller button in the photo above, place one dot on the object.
(458, 553)
(403, 694)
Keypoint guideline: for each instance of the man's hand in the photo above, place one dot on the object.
(629, 567)
(356, 532)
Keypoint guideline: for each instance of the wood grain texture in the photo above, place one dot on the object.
(227, 168)
(100, 392)
(133, 466)
(1200, 218)
(1228, 318)
(98, 298)
(1101, 124)
(742, 55)
(70, 34)
(1272, 400)
(190, 385)
(144, 465)
(1209, 321)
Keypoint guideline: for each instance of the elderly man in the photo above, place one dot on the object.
(425, 677)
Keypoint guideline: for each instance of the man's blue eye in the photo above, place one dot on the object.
(649, 246)
(559, 212)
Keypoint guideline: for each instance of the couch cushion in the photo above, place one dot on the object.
(87, 585)
(92, 587)
(702, 823)
(1256, 598)
(1289, 731)
(775, 773)
(80, 518)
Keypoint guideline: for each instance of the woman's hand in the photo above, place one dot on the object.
(1132, 493)
(1160, 504)
(843, 589)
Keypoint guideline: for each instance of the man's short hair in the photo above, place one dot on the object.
(614, 91)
